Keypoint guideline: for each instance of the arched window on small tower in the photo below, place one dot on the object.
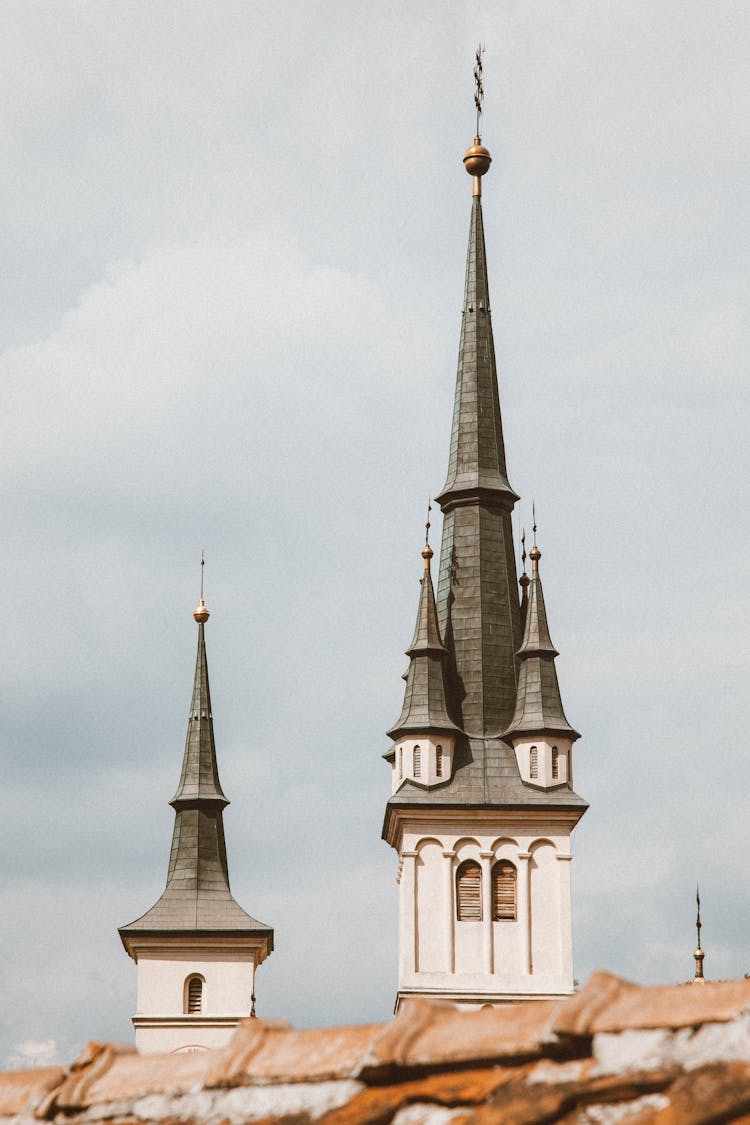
(469, 892)
(417, 761)
(439, 762)
(533, 762)
(555, 763)
(400, 762)
(194, 995)
(504, 892)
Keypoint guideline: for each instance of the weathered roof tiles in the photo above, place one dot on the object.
(614, 1053)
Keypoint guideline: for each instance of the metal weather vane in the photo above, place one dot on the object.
(478, 87)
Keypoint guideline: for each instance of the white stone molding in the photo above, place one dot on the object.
(449, 909)
(485, 859)
(524, 911)
(407, 914)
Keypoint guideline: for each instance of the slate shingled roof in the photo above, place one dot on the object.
(197, 898)
(477, 598)
(539, 707)
(613, 1054)
(424, 706)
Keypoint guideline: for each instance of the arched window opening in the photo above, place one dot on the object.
(439, 762)
(417, 762)
(469, 892)
(194, 996)
(400, 762)
(555, 763)
(504, 892)
(533, 762)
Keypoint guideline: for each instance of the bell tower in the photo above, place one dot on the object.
(483, 839)
(196, 950)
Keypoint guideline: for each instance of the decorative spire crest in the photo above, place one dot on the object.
(479, 88)
(477, 158)
(699, 954)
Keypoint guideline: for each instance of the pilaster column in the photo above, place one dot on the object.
(524, 911)
(486, 860)
(566, 924)
(407, 910)
(449, 911)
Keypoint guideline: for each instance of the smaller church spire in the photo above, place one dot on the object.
(524, 581)
(699, 954)
(539, 708)
(424, 706)
(197, 894)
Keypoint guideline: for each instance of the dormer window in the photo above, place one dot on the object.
(533, 763)
(439, 762)
(555, 763)
(417, 761)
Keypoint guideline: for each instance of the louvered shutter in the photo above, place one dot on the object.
(555, 763)
(533, 762)
(504, 892)
(469, 892)
(439, 762)
(195, 995)
(417, 761)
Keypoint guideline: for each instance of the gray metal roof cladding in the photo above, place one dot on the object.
(538, 703)
(197, 894)
(487, 680)
(424, 697)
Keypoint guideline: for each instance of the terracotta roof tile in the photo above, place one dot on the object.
(615, 1054)
(608, 1003)
(23, 1089)
(263, 1052)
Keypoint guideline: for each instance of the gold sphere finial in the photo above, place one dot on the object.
(477, 159)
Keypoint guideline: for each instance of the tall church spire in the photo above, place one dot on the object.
(477, 600)
(483, 841)
(196, 909)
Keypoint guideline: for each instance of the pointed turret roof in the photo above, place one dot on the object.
(477, 600)
(539, 708)
(424, 707)
(476, 464)
(197, 898)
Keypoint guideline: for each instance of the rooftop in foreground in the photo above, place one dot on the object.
(613, 1053)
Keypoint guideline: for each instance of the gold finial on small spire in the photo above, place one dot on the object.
(699, 954)
(427, 551)
(201, 614)
(477, 158)
(534, 554)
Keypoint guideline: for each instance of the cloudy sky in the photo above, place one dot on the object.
(233, 241)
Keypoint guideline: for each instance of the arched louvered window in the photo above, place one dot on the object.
(504, 892)
(439, 762)
(469, 892)
(417, 761)
(555, 763)
(194, 995)
(533, 762)
(400, 762)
